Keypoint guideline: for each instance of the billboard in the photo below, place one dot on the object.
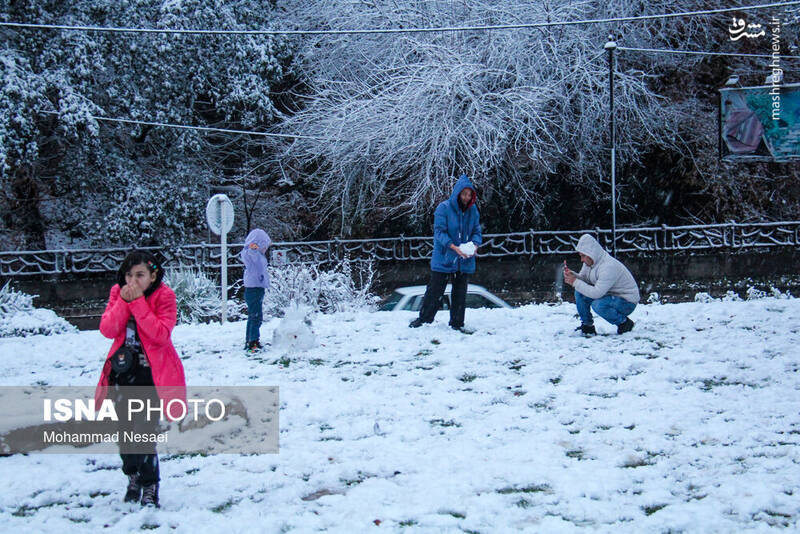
(760, 123)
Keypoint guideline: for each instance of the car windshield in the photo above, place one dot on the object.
(390, 302)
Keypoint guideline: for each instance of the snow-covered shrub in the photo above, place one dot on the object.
(776, 293)
(342, 287)
(197, 296)
(731, 296)
(754, 293)
(18, 317)
(654, 298)
(703, 297)
(294, 330)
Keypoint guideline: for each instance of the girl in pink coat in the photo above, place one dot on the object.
(139, 317)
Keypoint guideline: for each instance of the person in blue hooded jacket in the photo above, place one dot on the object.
(256, 281)
(456, 221)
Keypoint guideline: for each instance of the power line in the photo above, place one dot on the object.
(200, 128)
(439, 29)
(703, 53)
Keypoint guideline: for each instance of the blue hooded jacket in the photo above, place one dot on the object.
(452, 225)
(255, 259)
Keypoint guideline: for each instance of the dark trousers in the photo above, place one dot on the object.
(254, 297)
(434, 293)
(146, 464)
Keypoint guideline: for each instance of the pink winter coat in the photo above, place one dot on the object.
(155, 318)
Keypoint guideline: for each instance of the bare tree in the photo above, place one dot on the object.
(397, 116)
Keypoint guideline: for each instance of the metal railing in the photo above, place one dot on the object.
(729, 236)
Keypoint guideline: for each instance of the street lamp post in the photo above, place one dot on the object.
(611, 46)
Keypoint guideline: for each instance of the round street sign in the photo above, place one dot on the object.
(219, 214)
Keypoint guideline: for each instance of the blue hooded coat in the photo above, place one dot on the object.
(453, 225)
(255, 259)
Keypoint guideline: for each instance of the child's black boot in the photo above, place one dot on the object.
(134, 491)
(150, 495)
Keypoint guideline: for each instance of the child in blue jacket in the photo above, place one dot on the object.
(256, 281)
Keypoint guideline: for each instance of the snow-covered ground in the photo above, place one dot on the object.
(690, 423)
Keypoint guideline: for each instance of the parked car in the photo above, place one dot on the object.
(410, 299)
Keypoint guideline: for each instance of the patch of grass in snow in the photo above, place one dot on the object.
(555, 381)
(457, 515)
(27, 511)
(192, 471)
(95, 494)
(218, 509)
(575, 453)
(710, 383)
(523, 503)
(601, 395)
(78, 519)
(183, 455)
(149, 526)
(360, 477)
(424, 352)
(653, 508)
(435, 341)
(617, 378)
(467, 377)
(533, 488)
(516, 365)
(773, 519)
(541, 406)
(316, 361)
(633, 461)
(442, 422)
(407, 523)
(104, 468)
(283, 361)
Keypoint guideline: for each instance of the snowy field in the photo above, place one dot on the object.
(690, 423)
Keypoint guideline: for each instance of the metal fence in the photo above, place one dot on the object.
(727, 236)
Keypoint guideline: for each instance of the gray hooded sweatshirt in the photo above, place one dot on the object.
(606, 276)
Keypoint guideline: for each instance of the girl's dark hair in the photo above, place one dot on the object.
(135, 257)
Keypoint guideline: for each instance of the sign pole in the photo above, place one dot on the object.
(224, 262)
(219, 214)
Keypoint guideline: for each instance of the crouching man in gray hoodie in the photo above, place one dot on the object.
(603, 285)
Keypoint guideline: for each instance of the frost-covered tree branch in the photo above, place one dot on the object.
(401, 115)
